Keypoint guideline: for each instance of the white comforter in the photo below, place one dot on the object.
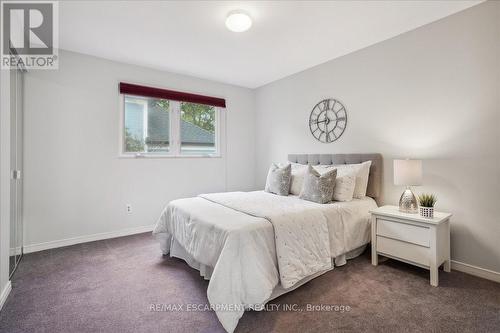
(232, 233)
(300, 231)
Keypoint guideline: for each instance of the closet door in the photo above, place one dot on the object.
(16, 183)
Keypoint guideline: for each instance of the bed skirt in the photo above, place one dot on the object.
(176, 250)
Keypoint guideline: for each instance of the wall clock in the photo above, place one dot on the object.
(328, 120)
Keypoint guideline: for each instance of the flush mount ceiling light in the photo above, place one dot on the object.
(238, 21)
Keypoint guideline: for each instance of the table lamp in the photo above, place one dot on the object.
(408, 173)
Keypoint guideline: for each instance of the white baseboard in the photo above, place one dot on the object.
(476, 271)
(5, 293)
(84, 239)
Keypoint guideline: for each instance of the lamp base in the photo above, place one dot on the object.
(408, 202)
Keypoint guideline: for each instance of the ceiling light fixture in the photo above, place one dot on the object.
(238, 21)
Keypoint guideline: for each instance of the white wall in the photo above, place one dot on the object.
(75, 184)
(432, 93)
(4, 183)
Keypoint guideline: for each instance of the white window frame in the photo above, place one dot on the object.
(174, 134)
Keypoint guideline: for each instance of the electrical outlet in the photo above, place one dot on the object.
(129, 209)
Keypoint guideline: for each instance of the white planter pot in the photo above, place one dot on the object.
(427, 212)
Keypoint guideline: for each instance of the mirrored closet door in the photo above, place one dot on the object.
(16, 166)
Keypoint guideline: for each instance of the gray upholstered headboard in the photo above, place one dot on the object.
(374, 189)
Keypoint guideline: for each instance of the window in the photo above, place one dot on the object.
(198, 126)
(147, 125)
(174, 126)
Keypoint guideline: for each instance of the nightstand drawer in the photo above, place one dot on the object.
(414, 253)
(402, 231)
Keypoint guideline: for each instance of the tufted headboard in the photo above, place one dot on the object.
(374, 189)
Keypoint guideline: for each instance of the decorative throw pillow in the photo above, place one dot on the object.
(361, 171)
(298, 172)
(344, 187)
(317, 187)
(278, 179)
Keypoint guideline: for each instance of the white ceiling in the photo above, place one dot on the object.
(189, 37)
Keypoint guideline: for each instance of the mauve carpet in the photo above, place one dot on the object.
(110, 285)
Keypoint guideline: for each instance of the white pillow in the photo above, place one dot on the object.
(344, 187)
(361, 171)
(298, 173)
(345, 184)
(324, 168)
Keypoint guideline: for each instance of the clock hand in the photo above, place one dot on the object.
(327, 121)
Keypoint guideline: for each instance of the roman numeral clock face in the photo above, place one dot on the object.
(328, 120)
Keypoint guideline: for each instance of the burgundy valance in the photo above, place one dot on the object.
(134, 89)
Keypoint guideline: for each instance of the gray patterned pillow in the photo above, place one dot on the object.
(278, 179)
(317, 187)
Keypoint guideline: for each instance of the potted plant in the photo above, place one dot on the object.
(427, 202)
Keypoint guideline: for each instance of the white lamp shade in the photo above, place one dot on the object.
(407, 172)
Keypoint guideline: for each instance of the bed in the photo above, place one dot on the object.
(256, 246)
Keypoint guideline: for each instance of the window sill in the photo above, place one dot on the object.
(141, 157)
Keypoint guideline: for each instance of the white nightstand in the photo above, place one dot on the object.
(411, 238)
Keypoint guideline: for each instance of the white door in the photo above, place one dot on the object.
(16, 166)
